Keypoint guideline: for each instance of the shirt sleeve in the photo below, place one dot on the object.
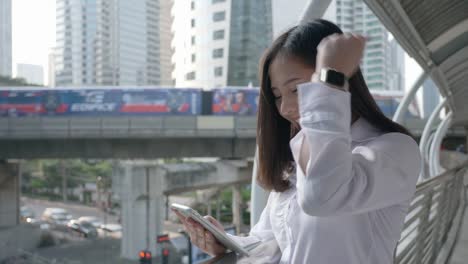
(261, 231)
(341, 180)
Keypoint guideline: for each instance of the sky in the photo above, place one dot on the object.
(33, 32)
(33, 24)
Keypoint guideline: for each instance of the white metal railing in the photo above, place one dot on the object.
(436, 204)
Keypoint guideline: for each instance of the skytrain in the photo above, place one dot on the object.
(145, 101)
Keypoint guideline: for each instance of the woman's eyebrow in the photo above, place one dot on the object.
(291, 80)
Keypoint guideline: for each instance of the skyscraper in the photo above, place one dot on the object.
(218, 43)
(51, 69)
(120, 43)
(165, 39)
(383, 62)
(75, 42)
(5, 38)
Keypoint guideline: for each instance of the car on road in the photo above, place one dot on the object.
(83, 228)
(57, 216)
(111, 230)
(26, 214)
(91, 219)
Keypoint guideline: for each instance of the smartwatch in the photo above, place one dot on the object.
(333, 77)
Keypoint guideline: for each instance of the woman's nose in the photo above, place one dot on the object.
(288, 109)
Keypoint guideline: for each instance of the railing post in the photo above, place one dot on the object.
(438, 226)
(424, 220)
(427, 232)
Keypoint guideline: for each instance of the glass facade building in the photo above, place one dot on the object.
(121, 41)
(219, 43)
(383, 62)
(5, 38)
(75, 41)
(251, 34)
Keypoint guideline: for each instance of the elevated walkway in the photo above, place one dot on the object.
(435, 216)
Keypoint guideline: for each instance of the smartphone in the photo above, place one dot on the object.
(221, 236)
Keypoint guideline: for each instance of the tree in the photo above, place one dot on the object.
(47, 175)
(8, 81)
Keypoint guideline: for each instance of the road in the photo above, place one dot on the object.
(90, 251)
(101, 251)
(76, 210)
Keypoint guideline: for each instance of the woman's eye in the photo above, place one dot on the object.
(294, 91)
(277, 97)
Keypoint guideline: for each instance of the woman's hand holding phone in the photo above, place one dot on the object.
(201, 237)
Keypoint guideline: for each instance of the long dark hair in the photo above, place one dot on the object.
(274, 131)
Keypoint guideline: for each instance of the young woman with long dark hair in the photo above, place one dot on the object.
(341, 174)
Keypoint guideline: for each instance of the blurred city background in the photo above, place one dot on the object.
(111, 110)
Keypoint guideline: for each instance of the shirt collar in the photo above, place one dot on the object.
(362, 130)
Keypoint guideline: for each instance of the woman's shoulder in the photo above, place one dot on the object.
(399, 147)
(395, 142)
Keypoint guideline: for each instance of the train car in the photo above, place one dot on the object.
(100, 101)
(147, 101)
(235, 101)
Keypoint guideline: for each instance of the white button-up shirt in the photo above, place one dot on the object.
(349, 205)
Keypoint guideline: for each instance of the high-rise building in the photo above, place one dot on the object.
(33, 74)
(397, 67)
(121, 42)
(218, 43)
(165, 39)
(5, 38)
(383, 62)
(51, 69)
(75, 41)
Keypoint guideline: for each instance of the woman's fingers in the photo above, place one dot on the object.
(215, 222)
(182, 218)
(189, 226)
(212, 245)
(205, 240)
(196, 233)
(201, 237)
(200, 231)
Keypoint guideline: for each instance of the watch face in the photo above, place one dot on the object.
(336, 78)
(332, 77)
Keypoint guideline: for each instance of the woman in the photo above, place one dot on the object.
(341, 174)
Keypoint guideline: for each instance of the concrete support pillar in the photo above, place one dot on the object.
(9, 195)
(236, 208)
(218, 205)
(142, 208)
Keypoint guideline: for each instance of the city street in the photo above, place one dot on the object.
(76, 210)
(102, 250)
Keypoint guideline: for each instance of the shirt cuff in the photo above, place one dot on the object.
(244, 241)
(324, 108)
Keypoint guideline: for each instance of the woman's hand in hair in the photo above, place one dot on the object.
(201, 237)
(342, 52)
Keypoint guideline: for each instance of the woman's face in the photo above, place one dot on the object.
(285, 74)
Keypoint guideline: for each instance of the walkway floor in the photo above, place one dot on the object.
(460, 253)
